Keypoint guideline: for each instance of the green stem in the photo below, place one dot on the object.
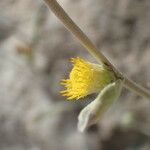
(92, 49)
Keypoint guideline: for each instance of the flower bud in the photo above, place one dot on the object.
(93, 111)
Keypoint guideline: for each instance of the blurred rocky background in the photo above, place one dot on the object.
(34, 56)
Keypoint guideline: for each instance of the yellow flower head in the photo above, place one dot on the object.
(85, 78)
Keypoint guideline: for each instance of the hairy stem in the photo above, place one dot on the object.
(92, 49)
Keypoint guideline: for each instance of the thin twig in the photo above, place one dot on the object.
(88, 44)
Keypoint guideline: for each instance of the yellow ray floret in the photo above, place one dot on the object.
(85, 78)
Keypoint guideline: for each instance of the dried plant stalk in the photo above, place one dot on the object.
(92, 49)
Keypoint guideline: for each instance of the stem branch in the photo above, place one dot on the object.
(92, 49)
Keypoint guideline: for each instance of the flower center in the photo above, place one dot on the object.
(85, 78)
